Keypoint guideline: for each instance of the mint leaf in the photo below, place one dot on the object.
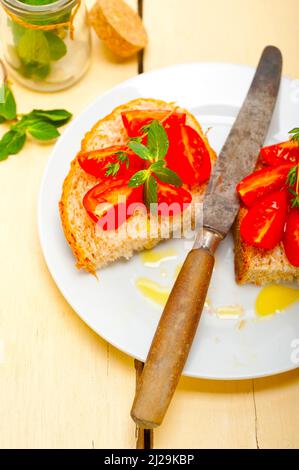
(8, 108)
(34, 53)
(167, 176)
(26, 121)
(141, 150)
(157, 140)
(138, 179)
(42, 124)
(54, 115)
(57, 47)
(43, 130)
(11, 143)
(157, 165)
(295, 134)
(35, 71)
(33, 48)
(151, 192)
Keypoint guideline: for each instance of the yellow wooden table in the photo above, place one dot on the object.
(60, 384)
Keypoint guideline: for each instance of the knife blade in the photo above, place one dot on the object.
(238, 156)
(176, 329)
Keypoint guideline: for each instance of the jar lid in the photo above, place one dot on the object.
(17, 6)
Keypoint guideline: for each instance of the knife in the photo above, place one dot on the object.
(175, 333)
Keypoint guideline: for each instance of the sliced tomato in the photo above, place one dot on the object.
(291, 237)
(262, 182)
(172, 200)
(263, 225)
(285, 152)
(136, 119)
(104, 206)
(95, 162)
(188, 155)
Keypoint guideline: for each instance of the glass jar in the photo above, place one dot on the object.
(46, 43)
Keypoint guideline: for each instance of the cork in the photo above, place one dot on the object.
(118, 26)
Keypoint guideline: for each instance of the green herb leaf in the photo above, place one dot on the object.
(123, 158)
(34, 53)
(43, 130)
(136, 139)
(141, 150)
(35, 71)
(112, 169)
(295, 200)
(157, 165)
(54, 115)
(33, 48)
(292, 176)
(138, 179)
(57, 47)
(295, 134)
(151, 193)
(11, 143)
(157, 140)
(168, 176)
(25, 121)
(292, 181)
(8, 108)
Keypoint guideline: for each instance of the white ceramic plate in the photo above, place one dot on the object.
(112, 306)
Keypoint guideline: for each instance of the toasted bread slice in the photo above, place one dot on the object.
(257, 266)
(92, 247)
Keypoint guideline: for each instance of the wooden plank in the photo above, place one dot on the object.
(208, 413)
(277, 407)
(217, 30)
(61, 385)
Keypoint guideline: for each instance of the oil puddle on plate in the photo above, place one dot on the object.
(162, 265)
(152, 290)
(275, 299)
(154, 258)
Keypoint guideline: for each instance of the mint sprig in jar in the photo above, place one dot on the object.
(46, 43)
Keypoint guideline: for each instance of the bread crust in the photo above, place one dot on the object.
(256, 266)
(77, 225)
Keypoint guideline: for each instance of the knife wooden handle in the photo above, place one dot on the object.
(173, 339)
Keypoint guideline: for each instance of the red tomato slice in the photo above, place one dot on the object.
(188, 155)
(104, 207)
(262, 182)
(135, 120)
(95, 162)
(285, 152)
(291, 237)
(264, 223)
(172, 200)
